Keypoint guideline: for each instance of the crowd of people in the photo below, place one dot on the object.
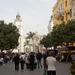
(4, 58)
(32, 60)
(38, 60)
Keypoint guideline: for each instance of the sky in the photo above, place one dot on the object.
(35, 14)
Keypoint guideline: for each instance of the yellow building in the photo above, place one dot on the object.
(63, 11)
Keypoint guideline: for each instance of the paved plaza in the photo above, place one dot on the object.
(8, 69)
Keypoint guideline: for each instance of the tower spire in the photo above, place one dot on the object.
(18, 17)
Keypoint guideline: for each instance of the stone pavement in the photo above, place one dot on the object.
(8, 69)
(63, 69)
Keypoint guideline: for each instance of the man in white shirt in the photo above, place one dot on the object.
(22, 61)
(51, 63)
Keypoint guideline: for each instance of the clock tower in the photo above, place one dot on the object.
(18, 22)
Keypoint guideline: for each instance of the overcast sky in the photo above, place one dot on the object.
(35, 14)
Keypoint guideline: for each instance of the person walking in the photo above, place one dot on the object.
(51, 63)
(16, 60)
(22, 61)
(31, 61)
(39, 59)
(44, 62)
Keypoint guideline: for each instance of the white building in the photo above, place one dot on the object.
(18, 23)
(34, 43)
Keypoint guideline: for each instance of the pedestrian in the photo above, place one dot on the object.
(39, 59)
(31, 61)
(1, 60)
(44, 62)
(22, 61)
(16, 60)
(27, 62)
(51, 63)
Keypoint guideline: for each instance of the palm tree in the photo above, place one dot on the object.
(30, 35)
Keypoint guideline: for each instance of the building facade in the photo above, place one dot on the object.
(33, 44)
(63, 11)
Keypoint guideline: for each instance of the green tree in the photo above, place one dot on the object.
(60, 34)
(63, 33)
(46, 41)
(8, 36)
(69, 33)
(57, 35)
